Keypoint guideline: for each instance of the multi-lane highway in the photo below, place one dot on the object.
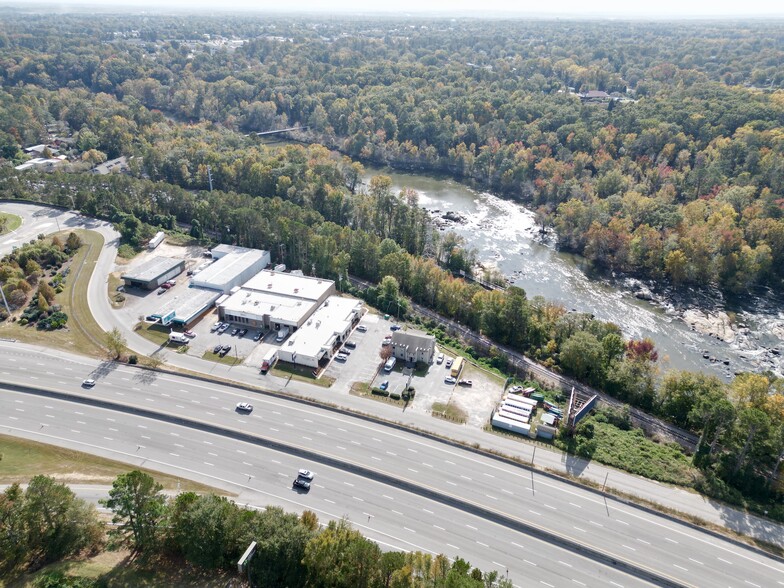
(399, 488)
(40, 219)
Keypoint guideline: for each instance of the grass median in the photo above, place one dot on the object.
(22, 459)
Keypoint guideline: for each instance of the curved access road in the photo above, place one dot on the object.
(42, 219)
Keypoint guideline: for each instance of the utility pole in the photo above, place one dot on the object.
(209, 176)
(5, 302)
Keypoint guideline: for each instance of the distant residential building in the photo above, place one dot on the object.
(594, 96)
(39, 150)
(113, 166)
(42, 163)
(413, 346)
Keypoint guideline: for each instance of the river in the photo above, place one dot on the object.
(504, 234)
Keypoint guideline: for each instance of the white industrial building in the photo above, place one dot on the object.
(233, 267)
(273, 300)
(323, 333)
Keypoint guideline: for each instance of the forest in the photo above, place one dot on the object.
(676, 175)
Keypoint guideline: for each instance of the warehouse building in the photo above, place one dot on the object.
(185, 308)
(233, 267)
(413, 346)
(323, 333)
(153, 272)
(274, 300)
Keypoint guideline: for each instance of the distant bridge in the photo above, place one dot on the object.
(279, 131)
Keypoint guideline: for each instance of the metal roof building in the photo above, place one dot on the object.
(152, 273)
(232, 268)
(187, 306)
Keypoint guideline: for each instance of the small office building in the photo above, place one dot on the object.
(150, 274)
(413, 346)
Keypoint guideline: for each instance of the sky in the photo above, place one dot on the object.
(565, 8)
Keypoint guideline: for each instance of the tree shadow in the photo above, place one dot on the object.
(574, 465)
(104, 369)
(754, 526)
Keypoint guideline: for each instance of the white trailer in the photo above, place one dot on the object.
(156, 240)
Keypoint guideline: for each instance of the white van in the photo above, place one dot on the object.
(390, 364)
(282, 334)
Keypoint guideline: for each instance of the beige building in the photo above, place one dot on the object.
(413, 346)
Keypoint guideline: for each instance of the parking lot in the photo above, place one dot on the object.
(365, 365)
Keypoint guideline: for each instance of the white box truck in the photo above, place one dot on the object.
(178, 338)
(282, 334)
(269, 360)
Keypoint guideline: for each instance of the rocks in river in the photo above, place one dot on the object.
(644, 294)
(453, 216)
(714, 324)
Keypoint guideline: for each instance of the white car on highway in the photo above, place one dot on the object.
(245, 407)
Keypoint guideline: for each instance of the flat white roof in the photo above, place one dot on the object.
(290, 285)
(188, 303)
(332, 318)
(151, 269)
(280, 309)
(227, 267)
(223, 249)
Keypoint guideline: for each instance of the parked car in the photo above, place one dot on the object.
(242, 332)
(190, 334)
(341, 357)
(223, 328)
(257, 336)
(350, 345)
(395, 327)
(362, 328)
(384, 385)
(450, 380)
(244, 407)
(440, 358)
(344, 352)
(224, 350)
(216, 326)
(166, 286)
(234, 331)
(217, 348)
(162, 290)
(171, 283)
(466, 383)
(449, 362)
(88, 383)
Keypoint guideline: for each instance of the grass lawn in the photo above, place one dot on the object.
(23, 459)
(12, 222)
(82, 333)
(116, 299)
(154, 332)
(449, 411)
(300, 373)
(118, 570)
(227, 359)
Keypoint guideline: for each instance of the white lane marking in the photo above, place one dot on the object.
(276, 430)
(670, 540)
(579, 529)
(209, 464)
(241, 451)
(696, 561)
(114, 430)
(413, 450)
(376, 440)
(174, 454)
(451, 483)
(174, 434)
(77, 422)
(330, 501)
(17, 418)
(307, 438)
(628, 547)
(207, 442)
(596, 524)
(576, 505)
(307, 420)
(349, 484)
(166, 395)
(622, 522)
(550, 507)
(275, 461)
(212, 454)
(472, 528)
(342, 430)
(146, 437)
(142, 426)
(19, 410)
(121, 394)
(111, 420)
(49, 416)
(493, 497)
(505, 491)
(400, 514)
(79, 413)
(529, 562)
(482, 544)
(411, 470)
(108, 438)
(213, 398)
(546, 584)
(616, 584)
(439, 528)
(387, 497)
(465, 477)
(563, 563)
(392, 454)
(179, 406)
(643, 541)
(453, 546)
(489, 475)
(247, 464)
(356, 442)
(534, 512)
(680, 567)
(729, 562)
(753, 584)
(340, 447)
(578, 582)
(449, 462)
(179, 445)
(358, 498)
(376, 458)
(517, 545)
(427, 465)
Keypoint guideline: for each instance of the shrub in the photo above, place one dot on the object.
(379, 392)
(394, 396)
(133, 360)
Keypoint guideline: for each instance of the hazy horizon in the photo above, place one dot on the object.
(556, 8)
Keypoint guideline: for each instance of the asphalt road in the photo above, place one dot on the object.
(432, 507)
(40, 219)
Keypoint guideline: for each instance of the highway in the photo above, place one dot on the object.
(432, 506)
(40, 219)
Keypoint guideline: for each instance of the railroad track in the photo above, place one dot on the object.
(650, 423)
